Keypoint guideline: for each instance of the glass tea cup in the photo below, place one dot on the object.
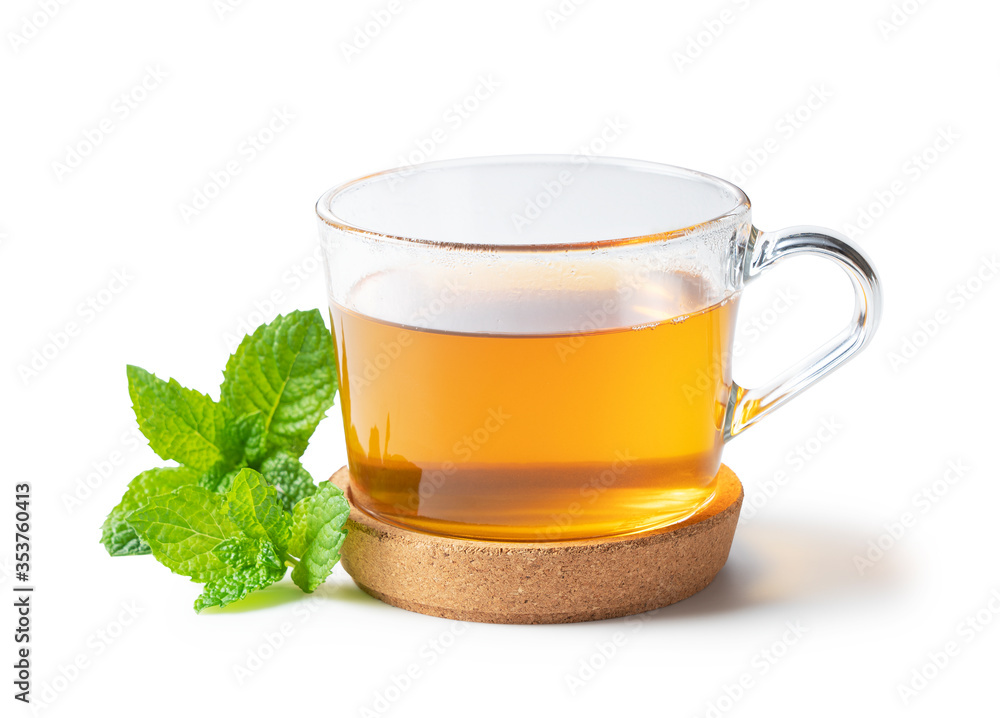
(538, 347)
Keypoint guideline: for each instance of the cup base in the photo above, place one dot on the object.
(545, 582)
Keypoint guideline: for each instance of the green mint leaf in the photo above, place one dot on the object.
(317, 534)
(246, 438)
(118, 537)
(218, 478)
(263, 569)
(181, 424)
(284, 472)
(254, 507)
(237, 552)
(183, 527)
(285, 370)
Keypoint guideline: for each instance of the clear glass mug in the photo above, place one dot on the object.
(537, 348)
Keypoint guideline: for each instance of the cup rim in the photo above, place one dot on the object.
(326, 215)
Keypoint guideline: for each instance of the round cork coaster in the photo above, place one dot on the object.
(546, 582)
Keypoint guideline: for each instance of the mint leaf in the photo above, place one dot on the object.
(118, 537)
(284, 472)
(246, 438)
(182, 528)
(317, 535)
(254, 507)
(237, 552)
(256, 572)
(285, 370)
(181, 424)
(219, 477)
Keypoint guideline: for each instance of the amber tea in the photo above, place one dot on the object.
(613, 428)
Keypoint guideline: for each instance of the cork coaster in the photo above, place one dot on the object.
(550, 582)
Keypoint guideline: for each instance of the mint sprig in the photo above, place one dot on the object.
(181, 424)
(317, 535)
(289, 477)
(284, 370)
(117, 536)
(240, 509)
(183, 527)
(253, 506)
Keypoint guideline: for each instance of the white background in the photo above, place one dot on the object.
(192, 283)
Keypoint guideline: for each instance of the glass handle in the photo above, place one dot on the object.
(747, 406)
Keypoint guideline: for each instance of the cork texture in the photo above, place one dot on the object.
(545, 582)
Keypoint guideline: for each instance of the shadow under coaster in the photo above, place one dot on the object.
(545, 582)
